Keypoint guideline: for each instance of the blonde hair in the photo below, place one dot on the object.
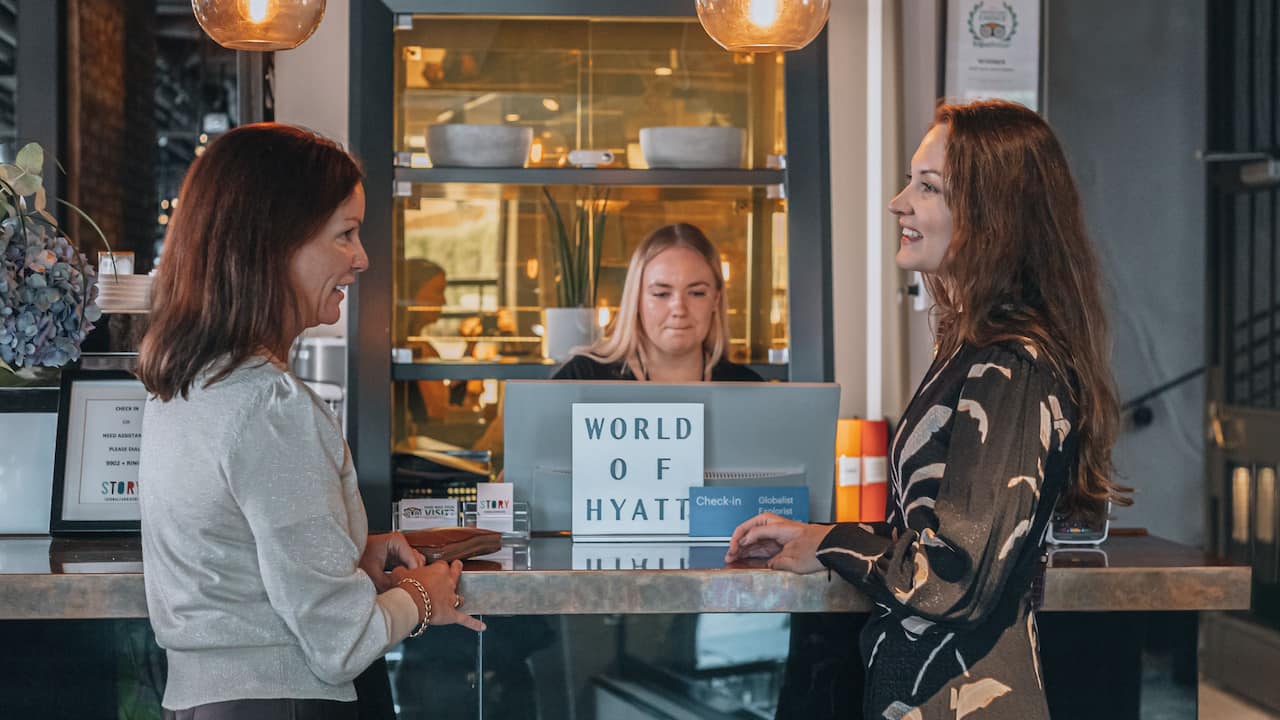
(621, 342)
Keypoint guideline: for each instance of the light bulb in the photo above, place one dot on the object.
(763, 13)
(763, 25)
(258, 11)
(259, 25)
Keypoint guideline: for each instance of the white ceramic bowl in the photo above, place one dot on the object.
(488, 146)
(693, 147)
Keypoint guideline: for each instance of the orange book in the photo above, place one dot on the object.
(875, 469)
(848, 470)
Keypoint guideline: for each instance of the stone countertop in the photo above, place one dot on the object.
(57, 578)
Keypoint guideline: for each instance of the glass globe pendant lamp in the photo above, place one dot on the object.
(259, 25)
(763, 25)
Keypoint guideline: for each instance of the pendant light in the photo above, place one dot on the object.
(763, 25)
(259, 25)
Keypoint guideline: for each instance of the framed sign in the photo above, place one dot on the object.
(993, 51)
(633, 465)
(95, 472)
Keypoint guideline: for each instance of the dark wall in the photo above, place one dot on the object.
(111, 135)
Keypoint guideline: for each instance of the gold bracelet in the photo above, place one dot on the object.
(426, 603)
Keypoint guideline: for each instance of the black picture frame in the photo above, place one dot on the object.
(59, 522)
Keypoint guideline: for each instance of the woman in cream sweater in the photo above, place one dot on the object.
(263, 585)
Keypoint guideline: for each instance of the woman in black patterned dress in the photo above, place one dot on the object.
(1015, 418)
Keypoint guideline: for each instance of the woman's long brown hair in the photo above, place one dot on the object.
(1020, 265)
(222, 293)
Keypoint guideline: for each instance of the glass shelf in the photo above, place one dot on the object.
(462, 370)
(593, 176)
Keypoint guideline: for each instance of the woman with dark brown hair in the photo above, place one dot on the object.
(263, 584)
(1016, 417)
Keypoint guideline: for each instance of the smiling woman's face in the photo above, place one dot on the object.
(329, 262)
(922, 209)
(678, 301)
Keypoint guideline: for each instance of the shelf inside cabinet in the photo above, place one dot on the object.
(592, 176)
(470, 370)
(467, 370)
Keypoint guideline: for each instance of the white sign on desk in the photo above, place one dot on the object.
(99, 446)
(633, 465)
(112, 438)
(101, 451)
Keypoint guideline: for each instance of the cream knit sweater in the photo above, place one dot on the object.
(252, 529)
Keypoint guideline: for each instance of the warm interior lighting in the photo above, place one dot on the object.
(602, 316)
(535, 151)
(513, 117)
(724, 270)
(763, 25)
(763, 13)
(551, 104)
(259, 25)
(258, 10)
(662, 71)
(531, 268)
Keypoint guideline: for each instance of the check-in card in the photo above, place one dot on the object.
(716, 511)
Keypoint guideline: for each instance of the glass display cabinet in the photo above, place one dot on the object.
(477, 249)
(466, 264)
(466, 261)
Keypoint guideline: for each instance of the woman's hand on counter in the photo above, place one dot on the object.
(787, 544)
(440, 580)
(385, 552)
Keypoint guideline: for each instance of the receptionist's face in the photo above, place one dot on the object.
(677, 301)
(921, 207)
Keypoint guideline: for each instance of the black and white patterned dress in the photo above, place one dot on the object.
(977, 464)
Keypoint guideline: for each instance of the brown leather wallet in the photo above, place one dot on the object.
(454, 543)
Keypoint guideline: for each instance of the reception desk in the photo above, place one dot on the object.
(96, 578)
(594, 630)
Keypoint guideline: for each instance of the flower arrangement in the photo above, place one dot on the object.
(47, 288)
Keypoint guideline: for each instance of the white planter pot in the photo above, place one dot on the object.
(565, 329)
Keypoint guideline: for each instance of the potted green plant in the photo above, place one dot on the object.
(577, 245)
